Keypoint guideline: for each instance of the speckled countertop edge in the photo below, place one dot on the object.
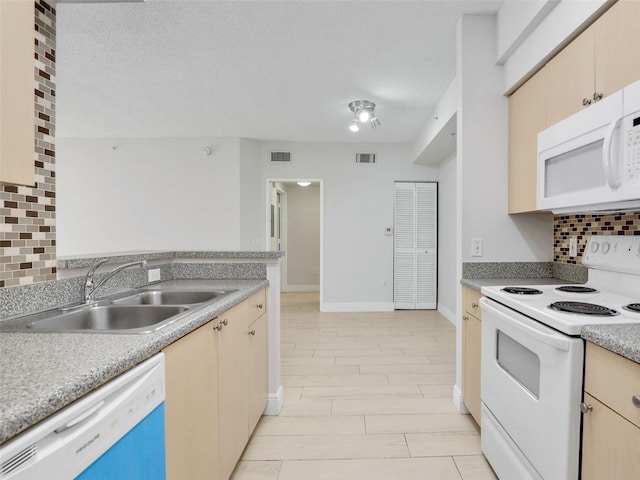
(478, 283)
(623, 339)
(121, 257)
(41, 373)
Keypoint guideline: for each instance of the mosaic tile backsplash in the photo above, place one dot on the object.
(584, 225)
(27, 214)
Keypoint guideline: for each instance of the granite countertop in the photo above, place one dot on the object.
(623, 339)
(42, 372)
(478, 283)
(122, 257)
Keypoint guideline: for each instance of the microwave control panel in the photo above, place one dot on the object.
(632, 157)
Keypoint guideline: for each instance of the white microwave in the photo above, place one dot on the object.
(591, 160)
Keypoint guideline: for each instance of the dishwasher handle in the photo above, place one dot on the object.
(80, 418)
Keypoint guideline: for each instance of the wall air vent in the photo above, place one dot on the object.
(281, 157)
(366, 158)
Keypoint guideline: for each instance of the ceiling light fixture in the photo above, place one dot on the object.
(304, 184)
(363, 111)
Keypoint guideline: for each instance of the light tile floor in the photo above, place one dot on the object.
(367, 396)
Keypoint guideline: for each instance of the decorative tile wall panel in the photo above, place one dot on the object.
(27, 214)
(583, 226)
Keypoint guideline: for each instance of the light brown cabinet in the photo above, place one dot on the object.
(216, 391)
(526, 118)
(191, 405)
(617, 47)
(611, 423)
(17, 104)
(600, 61)
(471, 341)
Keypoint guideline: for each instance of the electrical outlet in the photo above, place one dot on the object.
(256, 241)
(154, 275)
(476, 247)
(573, 247)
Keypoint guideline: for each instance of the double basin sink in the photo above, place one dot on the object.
(143, 311)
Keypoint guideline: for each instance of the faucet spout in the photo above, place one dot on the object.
(90, 285)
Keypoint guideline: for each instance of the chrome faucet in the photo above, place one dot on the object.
(90, 286)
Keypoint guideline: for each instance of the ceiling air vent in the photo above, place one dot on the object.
(366, 158)
(281, 157)
(20, 459)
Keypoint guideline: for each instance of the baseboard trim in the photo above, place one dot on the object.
(357, 307)
(275, 402)
(458, 401)
(448, 314)
(303, 288)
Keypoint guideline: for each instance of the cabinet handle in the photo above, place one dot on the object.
(636, 401)
(474, 305)
(585, 407)
(260, 306)
(597, 96)
(465, 318)
(252, 332)
(223, 323)
(586, 101)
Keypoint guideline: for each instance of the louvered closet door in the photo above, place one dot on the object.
(415, 245)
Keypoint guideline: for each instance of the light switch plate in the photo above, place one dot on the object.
(154, 275)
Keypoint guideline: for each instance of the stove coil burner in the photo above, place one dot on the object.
(633, 307)
(522, 290)
(584, 309)
(576, 289)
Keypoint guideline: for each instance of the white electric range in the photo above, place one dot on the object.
(533, 360)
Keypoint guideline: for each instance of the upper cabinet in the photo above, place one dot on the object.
(617, 47)
(16, 93)
(526, 118)
(602, 60)
(570, 79)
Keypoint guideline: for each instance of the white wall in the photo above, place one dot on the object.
(482, 154)
(303, 237)
(448, 280)
(358, 205)
(146, 194)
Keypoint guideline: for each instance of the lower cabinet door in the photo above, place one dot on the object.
(610, 444)
(191, 406)
(233, 350)
(258, 382)
(471, 364)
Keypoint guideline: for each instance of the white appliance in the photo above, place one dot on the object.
(533, 360)
(591, 160)
(116, 431)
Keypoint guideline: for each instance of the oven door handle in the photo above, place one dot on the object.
(553, 340)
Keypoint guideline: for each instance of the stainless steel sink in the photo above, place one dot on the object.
(167, 297)
(110, 319)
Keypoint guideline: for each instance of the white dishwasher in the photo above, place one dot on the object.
(116, 431)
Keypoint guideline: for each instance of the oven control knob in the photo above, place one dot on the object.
(594, 246)
(605, 247)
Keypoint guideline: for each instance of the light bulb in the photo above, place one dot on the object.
(304, 184)
(364, 115)
(354, 126)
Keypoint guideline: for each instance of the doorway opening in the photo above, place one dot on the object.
(294, 224)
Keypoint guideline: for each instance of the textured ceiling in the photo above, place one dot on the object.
(270, 70)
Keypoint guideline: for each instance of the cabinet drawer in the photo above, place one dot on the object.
(471, 300)
(257, 304)
(613, 380)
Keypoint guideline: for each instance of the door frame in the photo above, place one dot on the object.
(267, 206)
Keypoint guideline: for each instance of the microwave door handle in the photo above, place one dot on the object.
(610, 171)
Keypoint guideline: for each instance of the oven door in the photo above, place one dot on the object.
(531, 388)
